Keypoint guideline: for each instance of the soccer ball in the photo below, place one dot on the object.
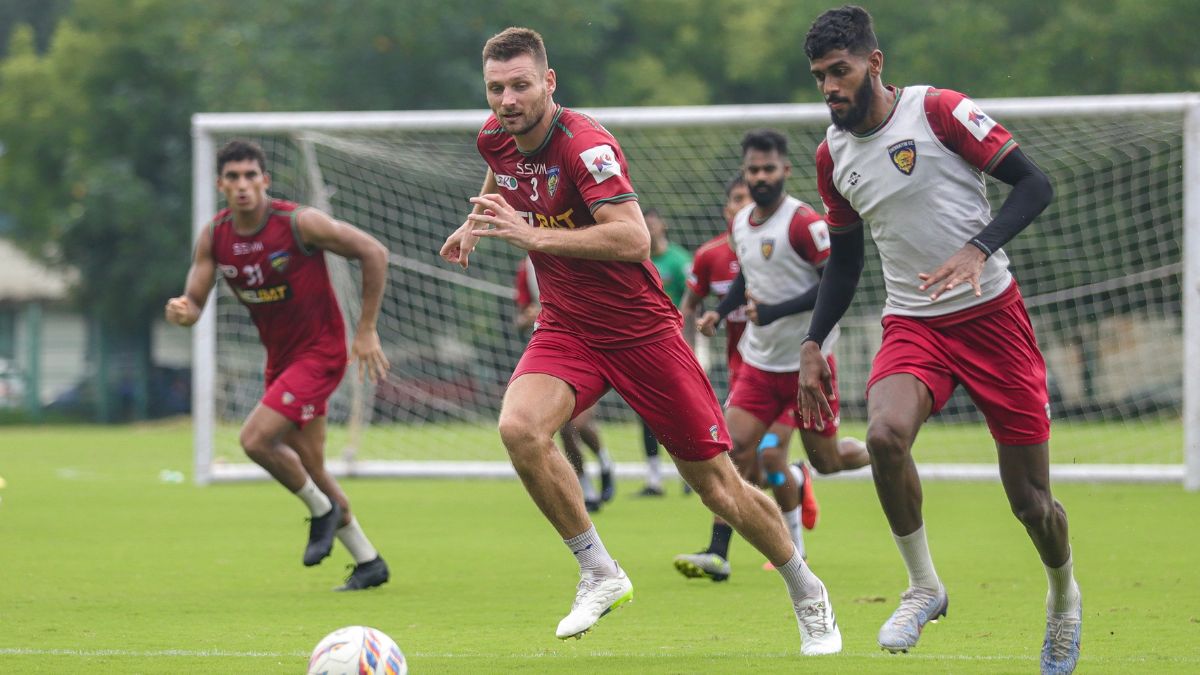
(357, 650)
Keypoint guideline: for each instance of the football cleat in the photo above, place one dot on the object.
(1060, 650)
(819, 632)
(608, 486)
(366, 575)
(703, 565)
(594, 598)
(320, 535)
(651, 491)
(918, 606)
(810, 510)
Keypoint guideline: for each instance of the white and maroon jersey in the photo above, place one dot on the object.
(917, 181)
(714, 267)
(578, 168)
(780, 259)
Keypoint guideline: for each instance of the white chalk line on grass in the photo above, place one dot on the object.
(224, 653)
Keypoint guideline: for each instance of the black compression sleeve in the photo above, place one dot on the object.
(736, 297)
(768, 314)
(1031, 194)
(838, 283)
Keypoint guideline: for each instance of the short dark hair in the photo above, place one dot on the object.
(739, 178)
(848, 28)
(238, 150)
(514, 41)
(764, 140)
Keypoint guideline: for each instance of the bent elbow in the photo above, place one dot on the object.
(640, 249)
(1045, 190)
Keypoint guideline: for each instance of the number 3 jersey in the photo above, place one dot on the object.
(284, 284)
(578, 168)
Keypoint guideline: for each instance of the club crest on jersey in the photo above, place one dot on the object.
(767, 247)
(904, 156)
(506, 182)
(712, 431)
(279, 260)
(552, 180)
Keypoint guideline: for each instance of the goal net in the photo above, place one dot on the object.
(1102, 272)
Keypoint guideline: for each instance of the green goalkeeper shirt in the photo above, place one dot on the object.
(673, 266)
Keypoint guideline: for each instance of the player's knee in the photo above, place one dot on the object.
(1035, 511)
(255, 444)
(887, 442)
(521, 435)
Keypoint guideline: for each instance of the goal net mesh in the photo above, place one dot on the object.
(1100, 271)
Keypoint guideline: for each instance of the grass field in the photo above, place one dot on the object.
(1151, 441)
(105, 568)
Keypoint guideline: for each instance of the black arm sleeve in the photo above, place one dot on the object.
(838, 283)
(768, 314)
(1031, 194)
(736, 297)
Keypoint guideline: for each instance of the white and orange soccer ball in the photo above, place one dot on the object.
(357, 650)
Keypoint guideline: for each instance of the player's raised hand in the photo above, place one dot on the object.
(815, 386)
(964, 267)
(181, 311)
(502, 221)
(368, 352)
(459, 245)
(706, 325)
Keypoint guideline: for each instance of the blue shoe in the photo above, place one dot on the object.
(1060, 650)
(918, 606)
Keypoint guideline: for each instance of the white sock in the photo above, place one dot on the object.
(589, 490)
(593, 558)
(318, 504)
(915, 550)
(606, 462)
(800, 580)
(792, 518)
(797, 475)
(356, 542)
(1064, 592)
(654, 471)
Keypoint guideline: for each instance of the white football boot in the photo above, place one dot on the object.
(593, 599)
(819, 632)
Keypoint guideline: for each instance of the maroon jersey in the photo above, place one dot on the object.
(714, 268)
(284, 284)
(578, 168)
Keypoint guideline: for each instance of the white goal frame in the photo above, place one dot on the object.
(206, 126)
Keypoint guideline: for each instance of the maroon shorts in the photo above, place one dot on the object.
(301, 390)
(661, 381)
(771, 397)
(993, 353)
(785, 418)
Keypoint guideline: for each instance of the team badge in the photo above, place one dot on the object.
(506, 182)
(288, 399)
(904, 156)
(279, 260)
(712, 431)
(552, 180)
(767, 247)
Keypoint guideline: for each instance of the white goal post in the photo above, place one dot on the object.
(1110, 273)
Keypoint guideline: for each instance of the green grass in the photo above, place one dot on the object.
(1138, 442)
(103, 568)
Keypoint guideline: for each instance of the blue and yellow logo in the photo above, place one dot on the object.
(552, 180)
(904, 156)
(279, 260)
(767, 247)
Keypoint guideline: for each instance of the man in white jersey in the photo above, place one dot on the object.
(909, 163)
(781, 245)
